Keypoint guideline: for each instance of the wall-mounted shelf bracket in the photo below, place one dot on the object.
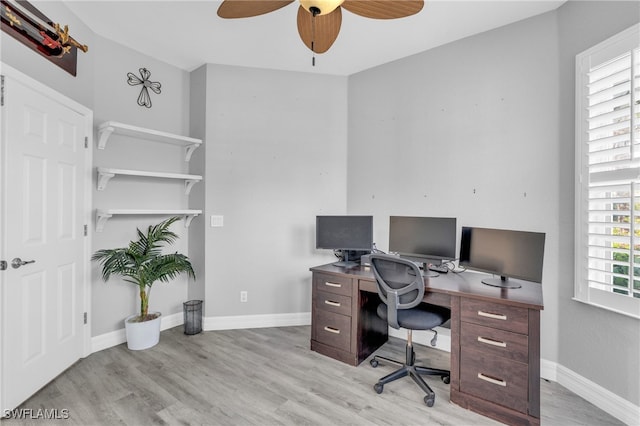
(188, 184)
(103, 179)
(188, 150)
(103, 215)
(101, 218)
(103, 135)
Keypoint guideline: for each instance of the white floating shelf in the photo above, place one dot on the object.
(106, 129)
(105, 174)
(103, 215)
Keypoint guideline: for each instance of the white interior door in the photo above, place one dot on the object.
(44, 209)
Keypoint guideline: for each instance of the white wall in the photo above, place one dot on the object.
(275, 158)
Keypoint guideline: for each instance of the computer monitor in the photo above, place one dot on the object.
(507, 253)
(344, 233)
(423, 239)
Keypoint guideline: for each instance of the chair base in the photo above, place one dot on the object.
(408, 368)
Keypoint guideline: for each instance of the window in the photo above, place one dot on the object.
(608, 174)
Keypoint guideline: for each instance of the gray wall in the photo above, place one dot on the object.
(198, 232)
(101, 84)
(464, 130)
(117, 101)
(275, 158)
(482, 129)
(591, 340)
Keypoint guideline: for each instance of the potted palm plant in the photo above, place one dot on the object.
(142, 263)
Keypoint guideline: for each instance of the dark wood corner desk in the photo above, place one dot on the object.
(495, 335)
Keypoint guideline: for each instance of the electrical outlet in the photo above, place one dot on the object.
(243, 296)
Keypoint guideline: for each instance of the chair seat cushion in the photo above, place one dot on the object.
(422, 317)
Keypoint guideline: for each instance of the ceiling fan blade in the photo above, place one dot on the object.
(327, 28)
(383, 9)
(247, 8)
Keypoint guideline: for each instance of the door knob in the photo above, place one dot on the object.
(17, 262)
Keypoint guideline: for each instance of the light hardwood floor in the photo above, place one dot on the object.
(262, 376)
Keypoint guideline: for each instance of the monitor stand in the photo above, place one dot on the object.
(426, 272)
(502, 282)
(346, 263)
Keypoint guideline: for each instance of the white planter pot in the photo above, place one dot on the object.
(142, 335)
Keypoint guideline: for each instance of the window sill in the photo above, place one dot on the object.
(608, 308)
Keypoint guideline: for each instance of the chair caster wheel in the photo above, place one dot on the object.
(374, 363)
(429, 400)
(378, 388)
(446, 379)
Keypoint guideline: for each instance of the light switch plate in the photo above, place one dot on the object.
(217, 221)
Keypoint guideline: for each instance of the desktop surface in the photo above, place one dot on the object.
(466, 283)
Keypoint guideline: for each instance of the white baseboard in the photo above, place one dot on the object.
(117, 337)
(548, 370)
(256, 321)
(602, 398)
(107, 340)
(114, 338)
(171, 321)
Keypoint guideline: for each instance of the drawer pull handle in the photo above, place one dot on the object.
(332, 330)
(492, 380)
(493, 316)
(332, 303)
(492, 342)
(330, 284)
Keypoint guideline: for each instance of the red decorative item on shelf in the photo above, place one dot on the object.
(25, 23)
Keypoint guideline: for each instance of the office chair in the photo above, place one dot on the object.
(401, 289)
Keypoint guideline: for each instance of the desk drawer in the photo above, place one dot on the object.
(331, 302)
(493, 341)
(332, 284)
(494, 379)
(504, 317)
(332, 329)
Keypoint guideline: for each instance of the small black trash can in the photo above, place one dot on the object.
(192, 316)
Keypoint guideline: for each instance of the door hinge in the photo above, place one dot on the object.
(86, 141)
(86, 230)
(1, 90)
(85, 317)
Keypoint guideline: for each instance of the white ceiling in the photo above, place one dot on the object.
(188, 34)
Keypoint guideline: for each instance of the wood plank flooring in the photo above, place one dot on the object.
(264, 376)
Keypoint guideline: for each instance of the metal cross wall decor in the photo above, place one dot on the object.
(144, 99)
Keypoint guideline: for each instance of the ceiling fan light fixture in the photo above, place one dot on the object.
(321, 7)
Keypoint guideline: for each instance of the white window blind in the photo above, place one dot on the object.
(608, 174)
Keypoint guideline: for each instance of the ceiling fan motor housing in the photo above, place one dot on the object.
(320, 7)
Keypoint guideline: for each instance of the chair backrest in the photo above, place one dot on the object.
(400, 284)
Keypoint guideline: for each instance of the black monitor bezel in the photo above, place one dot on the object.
(355, 218)
(426, 257)
(464, 259)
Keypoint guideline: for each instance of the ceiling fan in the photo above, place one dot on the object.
(319, 20)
